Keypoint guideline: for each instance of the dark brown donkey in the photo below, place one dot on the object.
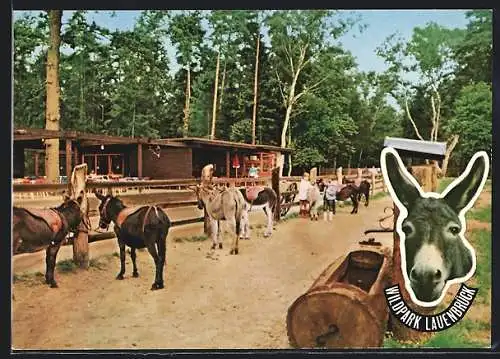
(35, 229)
(363, 189)
(137, 227)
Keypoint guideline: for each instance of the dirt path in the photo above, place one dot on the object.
(216, 301)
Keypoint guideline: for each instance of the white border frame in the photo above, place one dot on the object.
(404, 213)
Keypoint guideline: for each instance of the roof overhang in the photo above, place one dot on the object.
(417, 148)
(204, 142)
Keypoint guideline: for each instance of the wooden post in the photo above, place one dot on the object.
(75, 156)
(139, 160)
(37, 156)
(68, 162)
(261, 162)
(401, 332)
(77, 183)
(123, 165)
(339, 175)
(228, 164)
(95, 164)
(110, 170)
(244, 167)
(373, 183)
(275, 183)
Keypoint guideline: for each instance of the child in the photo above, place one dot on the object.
(302, 195)
(329, 199)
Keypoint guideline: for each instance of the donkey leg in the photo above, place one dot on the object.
(219, 234)
(122, 260)
(50, 261)
(269, 229)
(215, 232)
(162, 252)
(133, 255)
(234, 244)
(154, 253)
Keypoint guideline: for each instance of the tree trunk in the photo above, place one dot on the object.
(281, 161)
(187, 105)
(254, 115)
(449, 149)
(81, 242)
(52, 114)
(222, 84)
(214, 108)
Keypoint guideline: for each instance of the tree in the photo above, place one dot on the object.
(186, 32)
(296, 36)
(472, 120)
(429, 55)
(474, 53)
(52, 113)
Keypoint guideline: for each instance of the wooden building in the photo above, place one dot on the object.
(140, 157)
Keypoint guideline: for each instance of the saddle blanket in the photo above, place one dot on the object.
(50, 216)
(124, 213)
(253, 192)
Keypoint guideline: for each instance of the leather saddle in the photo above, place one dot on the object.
(127, 211)
(50, 216)
(253, 192)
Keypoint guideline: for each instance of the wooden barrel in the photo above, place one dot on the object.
(345, 307)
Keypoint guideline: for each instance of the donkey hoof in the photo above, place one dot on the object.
(247, 238)
(156, 286)
(119, 276)
(213, 246)
(220, 245)
(54, 285)
(135, 274)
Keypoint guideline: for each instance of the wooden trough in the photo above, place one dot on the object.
(345, 307)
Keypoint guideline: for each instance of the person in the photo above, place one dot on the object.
(302, 195)
(329, 199)
(253, 172)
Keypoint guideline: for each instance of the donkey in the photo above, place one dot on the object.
(137, 227)
(314, 199)
(363, 188)
(226, 204)
(350, 192)
(260, 198)
(434, 251)
(34, 229)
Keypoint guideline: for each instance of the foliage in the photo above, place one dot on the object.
(125, 82)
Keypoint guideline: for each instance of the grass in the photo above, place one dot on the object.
(66, 266)
(190, 239)
(379, 195)
(482, 214)
(28, 277)
(481, 240)
(458, 336)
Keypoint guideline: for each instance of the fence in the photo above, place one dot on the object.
(164, 193)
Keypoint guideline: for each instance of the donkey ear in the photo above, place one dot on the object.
(464, 192)
(400, 184)
(99, 196)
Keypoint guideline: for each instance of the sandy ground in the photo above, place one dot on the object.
(211, 299)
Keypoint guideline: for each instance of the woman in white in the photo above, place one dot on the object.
(302, 195)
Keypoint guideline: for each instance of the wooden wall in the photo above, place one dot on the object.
(173, 163)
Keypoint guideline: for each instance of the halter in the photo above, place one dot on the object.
(104, 212)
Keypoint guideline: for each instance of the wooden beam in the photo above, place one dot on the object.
(228, 164)
(75, 155)
(110, 170)
(37, 156)
(139, 160)
(68, 162)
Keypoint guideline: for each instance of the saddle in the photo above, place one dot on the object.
(127, 211)
(253, 192)
(49, 216)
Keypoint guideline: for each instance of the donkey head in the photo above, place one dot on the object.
(433, 247)
(106, 209)
(70, 209)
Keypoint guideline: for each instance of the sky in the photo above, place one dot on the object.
(380, 25)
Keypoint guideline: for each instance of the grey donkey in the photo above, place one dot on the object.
(225, 204)
(434, 251)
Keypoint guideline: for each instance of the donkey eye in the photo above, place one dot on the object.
(454, 230)
(407, 229)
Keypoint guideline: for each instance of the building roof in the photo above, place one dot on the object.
(417, 148)
(90, 139)
(201, 142)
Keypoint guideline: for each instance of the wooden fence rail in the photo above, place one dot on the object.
(178, 184)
